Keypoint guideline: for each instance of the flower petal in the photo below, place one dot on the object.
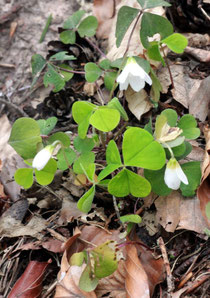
(171, 179)
(124, 75)
(136, 83)
(124, 86)
(181, 175)
(41, 159)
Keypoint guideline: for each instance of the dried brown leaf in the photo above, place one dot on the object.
(69, 211)
(136, 282)
(204, 189)
(104, 11)
(184, 87)
(172, 215)
(199, 103)
(138, 102)
(30, 282)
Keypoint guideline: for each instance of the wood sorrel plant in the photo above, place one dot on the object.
(44, 152)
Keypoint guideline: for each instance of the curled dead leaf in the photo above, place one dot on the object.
(138, 102)
(204, 188)
(30, 282)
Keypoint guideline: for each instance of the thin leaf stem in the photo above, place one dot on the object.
(96, 47)
(168, 66)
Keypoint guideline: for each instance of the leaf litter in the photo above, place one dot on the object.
(140, 269)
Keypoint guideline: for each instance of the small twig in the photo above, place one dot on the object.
(71, 71)
(170, 281)
(12, 105)
(118, 211)
(120, 130)
(204, 12)
(96, 47)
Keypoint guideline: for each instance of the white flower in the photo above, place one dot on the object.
(42, 157)
(174, 174)
(134, 75)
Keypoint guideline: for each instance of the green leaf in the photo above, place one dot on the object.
(73, 20)
(62, 56)
(89, 172)
(207, 210)
(189, 126)
(152, 3)
(46, 126)
(38, 63)
(81, 111)
(85, 202)
(85, 160)
(108, 170)
(141, 150)
(60, 136)
(153, 52)
(156, 179)
(115, 104)
(176, 42)
(70, 156)
(68, 37)
(152, 24)
(24, 137)
(171, 116)
(88, 27)
(54, 78)
(24, 177)
(105, 260)
(46, 176)
(67, 75)
(178, 150)
(125, 17)
(112, 153)
(83, 145)
(105, 119)
(135, 218)
(193, 172)
(87, 282)
(109, 80)
(188, 149)
(113, 160)
(105, 64)
(78, 258)
(156, 86)
(127, 182)
(92, 72)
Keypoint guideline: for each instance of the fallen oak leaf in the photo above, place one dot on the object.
(30, 282)
(136, 281)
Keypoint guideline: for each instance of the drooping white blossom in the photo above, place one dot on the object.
(42, 157)
(174, 174)
(134, 75)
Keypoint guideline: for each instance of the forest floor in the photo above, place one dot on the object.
(36, 223)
